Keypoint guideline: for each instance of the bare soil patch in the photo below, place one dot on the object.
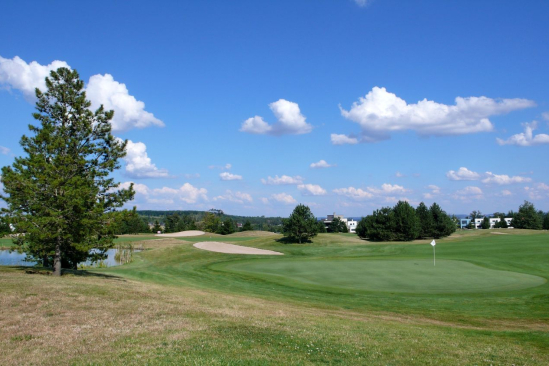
(232, 249)
(182, 233)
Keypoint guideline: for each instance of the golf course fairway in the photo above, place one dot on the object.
(402, 276)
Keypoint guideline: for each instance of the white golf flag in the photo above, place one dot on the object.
(433, 243)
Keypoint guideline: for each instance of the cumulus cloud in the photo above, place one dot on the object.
(285, 179)
(166, 196)
(354, 193)
(506, 193)
(338, 139)
(527, 138)
(265, 200)
(192, 176)
(128, 111)
(363, 3)
(138, 163)
(311, 190)
(290, 121)
(388, 189)
(101, 89)
(469, 193)
(381, 113)
(229, 176)
(187, 193)
(504, 179)
(224, 167)
(283, 198)
(462, 174)
(237, 197)
(321, 164)
(434, 191)
(26, 77)
(4, 150)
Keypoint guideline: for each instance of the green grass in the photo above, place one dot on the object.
(337, 300)
(418, 276)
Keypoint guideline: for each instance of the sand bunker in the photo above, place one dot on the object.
(182, 233)
(213, 246)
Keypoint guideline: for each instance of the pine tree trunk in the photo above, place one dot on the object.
(57, 259)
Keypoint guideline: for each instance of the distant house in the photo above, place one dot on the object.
(350, 223)
(478, 222)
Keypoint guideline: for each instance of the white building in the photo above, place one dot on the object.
(350, 223)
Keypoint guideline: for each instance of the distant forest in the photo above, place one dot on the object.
(263, 223)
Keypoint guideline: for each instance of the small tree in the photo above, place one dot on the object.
(156, 228)
(485, 223)
(227, 227)
(425, 221)
(442, 223)
(321, 227)
(527, 217)
(211, 223)
(301, 225)
(247, 226)
(546, 221)
(337, 226)
(59, 196)
(406, 224)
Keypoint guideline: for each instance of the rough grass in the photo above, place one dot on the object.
(172, 306)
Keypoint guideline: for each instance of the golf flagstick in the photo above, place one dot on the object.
(434, 255)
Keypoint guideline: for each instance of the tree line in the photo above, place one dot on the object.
(527, 217)
(404, 223)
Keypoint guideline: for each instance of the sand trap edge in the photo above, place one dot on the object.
(214, 246)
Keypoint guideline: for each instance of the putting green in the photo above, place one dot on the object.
(409, 276)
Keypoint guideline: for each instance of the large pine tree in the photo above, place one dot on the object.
(60, 196)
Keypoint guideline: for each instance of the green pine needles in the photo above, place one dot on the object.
(60, 196)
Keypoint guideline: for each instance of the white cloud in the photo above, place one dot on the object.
(192, 176)
(229, 176)
(462, 174)
(545, 116)
(399, 175)
(311, 190)
(290, 121)
(101, 89)
(469, 193)
(166, 197)
(138, 163)
(285, 179)
(388, 189)
(224, 167)
(238, 197)
(321, 164)
(284, 198)
(354, 193)
(527, 138)
(265, 200)
(128, 112)
(381, 113)
(17, 74)
(506, 192)
(543, 186)
(363, 3)
(435, 190)
(187, 193)
(4, 150)
(343, 139)
(503, 179)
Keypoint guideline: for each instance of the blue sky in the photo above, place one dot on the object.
(346, 106)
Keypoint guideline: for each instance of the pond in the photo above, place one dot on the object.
(17, 259)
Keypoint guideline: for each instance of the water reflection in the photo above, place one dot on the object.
(18, 259)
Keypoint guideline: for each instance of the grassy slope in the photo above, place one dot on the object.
(183, 310)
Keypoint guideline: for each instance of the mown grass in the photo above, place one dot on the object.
(179, 305)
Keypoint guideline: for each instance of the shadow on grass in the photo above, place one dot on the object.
(286, 240)
(70, 272)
